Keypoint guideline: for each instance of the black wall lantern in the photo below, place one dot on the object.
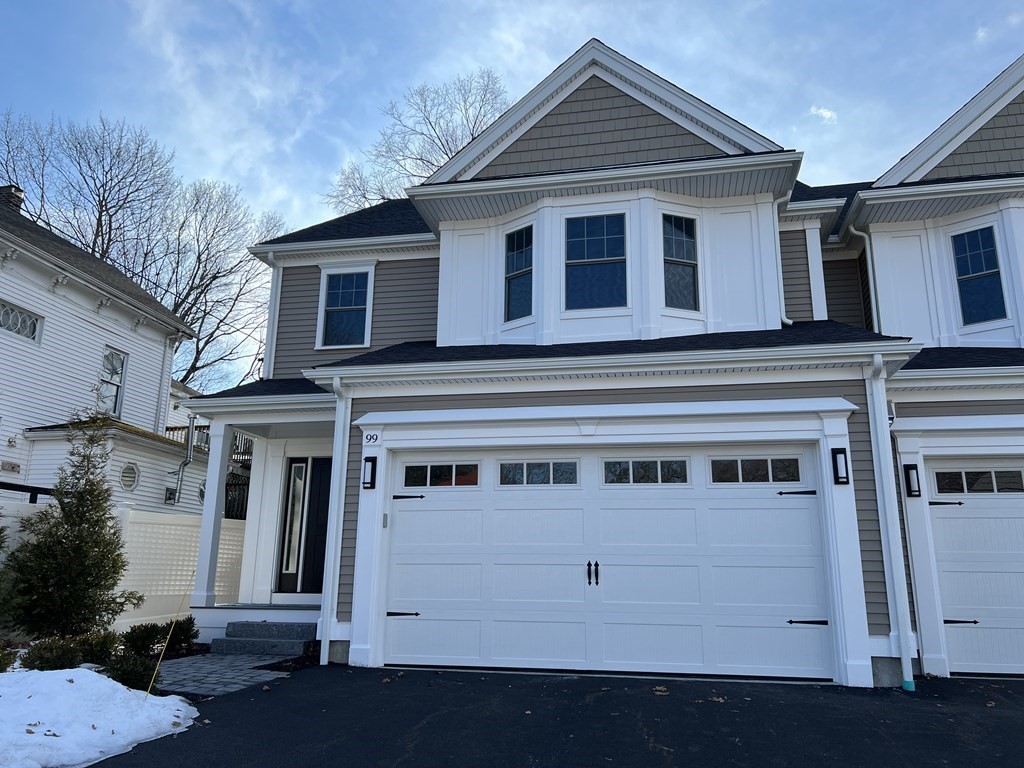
(911, 481)
(840, 467)
(370, 473)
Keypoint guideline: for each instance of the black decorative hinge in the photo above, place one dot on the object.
(798, 493)
(405, 496)
(818, 622)
(959, 621)
(401, 613)
(945, 503)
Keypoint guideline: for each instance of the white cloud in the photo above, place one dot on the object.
(981, 35)
(827, 116)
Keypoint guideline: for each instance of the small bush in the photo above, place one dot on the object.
(7, 657)
(52, 653)
(98, 647)
(132, 670)
(183, 637)
(142, 639)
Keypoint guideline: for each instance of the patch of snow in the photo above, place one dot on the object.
(77, 717)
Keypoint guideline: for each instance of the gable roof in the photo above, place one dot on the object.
(387, 219)
(597, 59)
(101, 275)
(961, 127)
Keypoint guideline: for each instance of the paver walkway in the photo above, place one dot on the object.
(217, 673)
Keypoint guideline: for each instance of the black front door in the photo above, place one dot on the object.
(304, 525)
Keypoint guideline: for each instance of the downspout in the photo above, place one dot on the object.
(335, 516)
(869, 256)
(784, 200)
(189, 447)
(885, 485)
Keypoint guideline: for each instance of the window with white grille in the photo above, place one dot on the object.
(19, 321)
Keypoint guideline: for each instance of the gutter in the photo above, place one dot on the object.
(888, 509)
(189, 449)
(778, 203)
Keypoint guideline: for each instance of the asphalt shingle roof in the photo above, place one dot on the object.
(270, 388)
(797, 335)
(939, 358)
(387, 219)
(85, 263)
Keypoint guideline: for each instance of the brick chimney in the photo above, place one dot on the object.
(12, 196)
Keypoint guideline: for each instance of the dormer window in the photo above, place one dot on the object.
(679, 242)
(595, 262)
(977, 276)
(519, 274)
(346, 295)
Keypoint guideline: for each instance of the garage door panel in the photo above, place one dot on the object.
(984, 588)
(650, 585)
(539, 640)
(981, 648)
(648, 526)
(425, 527)
(538, 526)
(792, 528)
(443, 581)
(978, 535)
(772, 587)
(538, 582)
(800, 651)
(654, 643)
(414, 640)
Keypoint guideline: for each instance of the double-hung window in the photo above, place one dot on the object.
(344, 309)
(977, 276)
(519, 274)
(111, 387)
(679, 242)
(595, 262)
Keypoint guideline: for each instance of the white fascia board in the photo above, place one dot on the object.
(1001, 423)
(959, 127)
(813, 208)
(787, 158)
(594, 51)
(1009, 376)
(101, 288)
(799, 406)
(267, 404)
(892, 352)
(268, 253)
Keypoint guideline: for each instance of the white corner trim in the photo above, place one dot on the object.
(816, 273)
(270, 342)
(957, 128)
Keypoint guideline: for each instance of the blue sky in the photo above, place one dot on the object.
(276, 96)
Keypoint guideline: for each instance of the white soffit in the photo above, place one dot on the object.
(958, 128)
(596, 58)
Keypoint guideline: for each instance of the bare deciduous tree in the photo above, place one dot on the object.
(111, 189)
(427, 129)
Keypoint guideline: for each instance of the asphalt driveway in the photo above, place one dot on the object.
(362, 718)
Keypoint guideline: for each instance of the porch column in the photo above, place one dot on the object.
(221, 443)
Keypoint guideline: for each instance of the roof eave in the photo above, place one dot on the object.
(267, 253)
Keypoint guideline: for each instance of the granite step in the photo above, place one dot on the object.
(272, 630)
(260, 645)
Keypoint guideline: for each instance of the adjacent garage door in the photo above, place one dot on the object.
(683, 560)
(977, 511)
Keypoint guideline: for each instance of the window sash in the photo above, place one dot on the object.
(345, 303)
(19, 321)
(519, 274)
(979, 284)
(108, 399)
(595, 262)
(679, 249)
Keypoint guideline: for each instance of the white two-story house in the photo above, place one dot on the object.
(612, 390)
(77, 334)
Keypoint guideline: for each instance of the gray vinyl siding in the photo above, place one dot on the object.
(860, 445)
(972, 408)
(796, 276)
(844, 296)
(404, 309)
(997, 147)
(597, 125)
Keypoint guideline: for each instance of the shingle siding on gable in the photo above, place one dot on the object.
(404, 309)
(796, 276)
(597, 125)
(843, 296)
(995, 148)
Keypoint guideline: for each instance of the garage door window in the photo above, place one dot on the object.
(980, 481)
(441, 475)
(755, 470)
(538, 473)
(645, 471)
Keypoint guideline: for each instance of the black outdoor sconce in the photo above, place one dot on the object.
(370, 473)
(911, 481)
(840, 467)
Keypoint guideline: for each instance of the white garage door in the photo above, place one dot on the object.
(977, 513)
(690, 561)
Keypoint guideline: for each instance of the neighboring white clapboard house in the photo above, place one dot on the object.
(75, 334)
(612, 390)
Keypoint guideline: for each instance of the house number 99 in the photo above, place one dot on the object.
(371, 437)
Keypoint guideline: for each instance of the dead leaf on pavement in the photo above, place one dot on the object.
(717, 699)
(266, 687)
(660, 690)
(990, 704)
